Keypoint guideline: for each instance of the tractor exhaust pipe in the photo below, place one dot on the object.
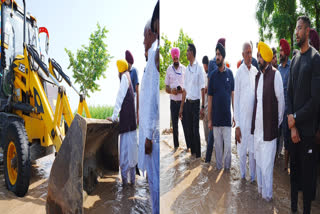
(24, 22)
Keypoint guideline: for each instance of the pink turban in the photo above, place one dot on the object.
(175, 52)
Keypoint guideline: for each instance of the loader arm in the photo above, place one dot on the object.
(83, 105)
(54, 66)
(28, 88)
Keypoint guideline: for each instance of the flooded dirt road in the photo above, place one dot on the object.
(187, 185)
(109, 196)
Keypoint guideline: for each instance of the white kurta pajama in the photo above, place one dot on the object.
(265, 150)
(149, 125)
(243, 109)
(128, 140)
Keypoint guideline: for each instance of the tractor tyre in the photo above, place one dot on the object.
(17, 164)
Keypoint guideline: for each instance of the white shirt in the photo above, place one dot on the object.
(149, 106)
(175, 78)
(124, 85)
(194, 81)
(278, 88)
(244, 97)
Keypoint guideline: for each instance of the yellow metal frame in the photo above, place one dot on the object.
(41, 124)
(83, 105)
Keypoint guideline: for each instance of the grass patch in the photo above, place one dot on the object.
(100, 112)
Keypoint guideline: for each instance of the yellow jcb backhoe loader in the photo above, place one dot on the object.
(30, 128)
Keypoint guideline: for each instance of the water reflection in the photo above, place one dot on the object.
(109, 196)
(188, 185)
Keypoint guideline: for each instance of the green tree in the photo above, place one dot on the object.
(165, 54)
(90, 62)
(277, 18)
(165, 58)
(312, 9)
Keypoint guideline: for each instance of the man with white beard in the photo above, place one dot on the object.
(243, 109)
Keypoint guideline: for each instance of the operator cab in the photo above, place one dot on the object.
(12, 47)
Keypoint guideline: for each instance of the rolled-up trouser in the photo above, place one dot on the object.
(128, 155)
(124, 175)
(266, 151)
(246, 145)
(222, 139)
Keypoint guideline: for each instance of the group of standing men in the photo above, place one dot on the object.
(267, 103)
(145, 154)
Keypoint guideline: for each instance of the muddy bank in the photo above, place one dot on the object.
(187, 185)
(35, 200)
(109, 196)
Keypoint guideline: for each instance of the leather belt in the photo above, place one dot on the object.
(192, 101)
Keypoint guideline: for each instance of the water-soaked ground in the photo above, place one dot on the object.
(109, 196)
(187, 185)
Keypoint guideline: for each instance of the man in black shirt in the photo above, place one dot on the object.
(303, 114)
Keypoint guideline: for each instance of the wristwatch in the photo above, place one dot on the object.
(294, 115)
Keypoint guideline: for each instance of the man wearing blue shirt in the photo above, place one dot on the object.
(212, 63)
(220, 95)
(135, 81)
(284, 68)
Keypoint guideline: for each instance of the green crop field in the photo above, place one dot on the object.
(100, 112)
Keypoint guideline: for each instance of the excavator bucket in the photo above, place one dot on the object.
(89, 147)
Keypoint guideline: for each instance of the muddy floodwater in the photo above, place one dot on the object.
(109, 196)
(187, 185)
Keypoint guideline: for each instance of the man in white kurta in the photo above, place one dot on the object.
(265, 150)
(149, 119)
(243, 108)
(128, 140)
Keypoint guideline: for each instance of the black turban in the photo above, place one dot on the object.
(221, 49)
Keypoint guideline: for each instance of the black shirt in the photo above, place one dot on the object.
(304, 91)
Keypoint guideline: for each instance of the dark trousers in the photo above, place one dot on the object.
(192, 126)
(284, 133)
(209, 146)
(303, 156)
(174, 108)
